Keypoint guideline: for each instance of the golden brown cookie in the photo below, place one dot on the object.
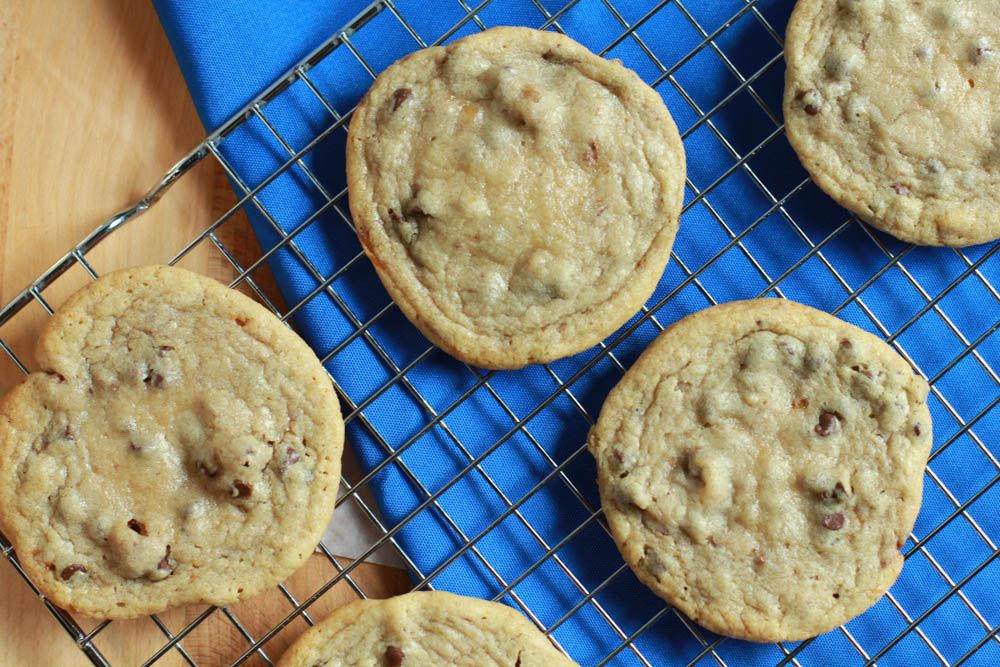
(424, 628)
(179, 444)
(893, 109)
(761, 465)
(517, 195)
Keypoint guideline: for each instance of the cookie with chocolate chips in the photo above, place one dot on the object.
(424, 628)
(517, 195)
(894, 109)
(761, 465)
(179, 444)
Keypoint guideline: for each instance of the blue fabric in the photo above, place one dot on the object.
(230, 50)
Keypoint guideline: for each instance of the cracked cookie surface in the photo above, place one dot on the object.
(178, 445)
(424, 628)
(517, 195)
(892, 107)
(761, 465)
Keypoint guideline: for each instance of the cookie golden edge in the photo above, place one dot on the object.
(545, 344)
(18, 410)
(663, 357)
(307, 650)
(941, 225)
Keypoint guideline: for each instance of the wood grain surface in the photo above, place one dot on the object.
(94, 110)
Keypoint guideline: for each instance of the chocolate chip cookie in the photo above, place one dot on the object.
(517, 195)
(178, 445)
(424, 628)
(893, 109)
(761, 465)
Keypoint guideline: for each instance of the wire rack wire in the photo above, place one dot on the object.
(709, 649)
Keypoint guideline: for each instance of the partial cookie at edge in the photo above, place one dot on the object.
(892, 108)
(424, 628)
(179, 445)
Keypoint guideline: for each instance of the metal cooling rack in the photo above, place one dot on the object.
(334, 202)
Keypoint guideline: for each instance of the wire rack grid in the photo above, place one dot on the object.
(694, 271)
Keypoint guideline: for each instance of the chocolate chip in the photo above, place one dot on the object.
(291, 457)
(164, 563)
(400, 96)
(60, 377)
(834, 521)
(800, 403)
(846, 344)
(835, 494)
(518, 662)
(242, 321)
(394, 656)
(554, 57)
(836, 595)
(652, 561)
(69, 435)
(154, 379)
(811, 108)
(241, 489)
(618, 456)
(164, 349)
(866, 373)
(70, 570)
(828, 424)
(900, 188)
(138, 527)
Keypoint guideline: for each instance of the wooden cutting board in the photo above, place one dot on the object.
(94, 110)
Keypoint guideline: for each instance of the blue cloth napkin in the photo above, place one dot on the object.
(525, 430)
